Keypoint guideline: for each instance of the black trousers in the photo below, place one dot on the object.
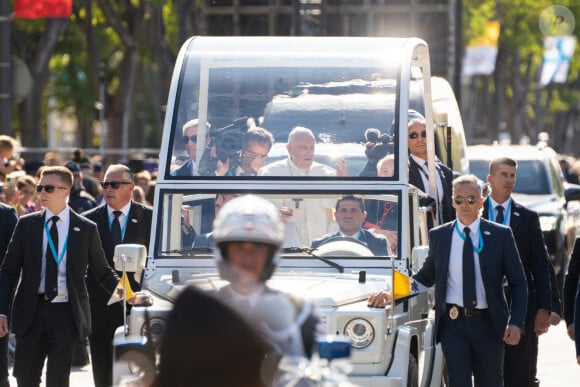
(101, 345)
(518, 358)
(52, 336)
(4, 356)
(471, 348)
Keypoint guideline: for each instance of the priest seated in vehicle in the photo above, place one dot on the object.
(350, 214)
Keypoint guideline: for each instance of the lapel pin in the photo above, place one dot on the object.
(134, 220)
(76, 229)
(486, 233)
(516, 213)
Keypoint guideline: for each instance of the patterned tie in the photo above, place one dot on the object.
(469, 295)
(499, 218)
(116, 229)
(50, 279)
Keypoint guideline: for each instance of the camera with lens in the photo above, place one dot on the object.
(378, 145)
(228, 142)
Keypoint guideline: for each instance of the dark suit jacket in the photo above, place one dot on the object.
(138, 231)
(24, 261)
(571, 283)
(183, 170)
(8, 219)
(576, 313)
(446, 175)
(498, 258)
(376, 243)
(525, 225)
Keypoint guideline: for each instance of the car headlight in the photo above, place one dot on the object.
(154, 330)
(548, 223)
(360, 332)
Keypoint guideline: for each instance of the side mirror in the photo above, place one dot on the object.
(130, 257)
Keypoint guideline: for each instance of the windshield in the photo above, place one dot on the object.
(531, 176)
(234, 115)
(336, 224)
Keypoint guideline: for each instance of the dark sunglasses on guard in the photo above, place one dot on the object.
(460, 199)
(415, 135)
(192, 138)
(48, 188)
(112, 184)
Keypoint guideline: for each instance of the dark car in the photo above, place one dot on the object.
(540, 185)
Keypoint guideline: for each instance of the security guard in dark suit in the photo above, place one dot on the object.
(467, 262)
(525, 224)
(134, 226)
(8, 220)
(419, 174)
(48, 256)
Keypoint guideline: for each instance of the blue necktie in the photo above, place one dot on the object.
(469, 295)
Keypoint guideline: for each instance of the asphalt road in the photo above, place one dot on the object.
(556, 364)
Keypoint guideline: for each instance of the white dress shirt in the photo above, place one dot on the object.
(454, 294)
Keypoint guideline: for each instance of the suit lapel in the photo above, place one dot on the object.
(37, 249)
(515, 216)
(363, 237)
(135, 217)
(487, 238)
(103, 225)
(485, 213)
(415, 174)
(446, 247)
(74, 230)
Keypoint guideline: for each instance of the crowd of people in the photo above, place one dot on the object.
(61, 303)
(488, 330)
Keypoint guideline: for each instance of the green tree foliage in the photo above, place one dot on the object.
(515, 101)
(137, 42)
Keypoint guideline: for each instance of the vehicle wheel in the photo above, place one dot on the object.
(412, 372)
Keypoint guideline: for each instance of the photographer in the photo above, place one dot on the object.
(223, 146)
(249, 160)
(378, 146)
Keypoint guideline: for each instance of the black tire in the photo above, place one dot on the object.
(412, 372)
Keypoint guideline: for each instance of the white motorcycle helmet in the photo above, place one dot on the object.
(248, 218)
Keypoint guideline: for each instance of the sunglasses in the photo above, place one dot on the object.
(415, 135)
(192, 138)
(460, 199)
(48, 188)
(113, 184)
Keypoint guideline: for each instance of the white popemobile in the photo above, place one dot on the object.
(231, 84)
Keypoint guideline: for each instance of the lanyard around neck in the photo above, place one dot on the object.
(462, 236)
(492, 213)
(124, 228)
(57, 259)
